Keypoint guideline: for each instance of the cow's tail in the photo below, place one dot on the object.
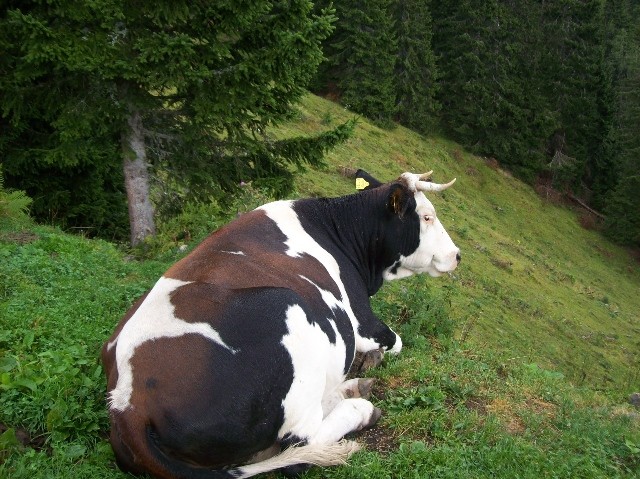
(139, 441)
(333, 454)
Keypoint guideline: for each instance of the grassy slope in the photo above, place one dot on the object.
(532, 282)
(533, 287)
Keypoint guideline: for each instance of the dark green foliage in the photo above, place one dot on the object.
(623, 211)
(489, 53)
(416, 73)
(208, 80)
(521, 82)
(622, 203)
(366, 58)
(14, 206)
(578, 86)
(361, 57)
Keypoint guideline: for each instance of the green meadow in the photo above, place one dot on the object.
(518, 364)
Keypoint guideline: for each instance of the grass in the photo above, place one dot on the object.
(532, 281)
(517, 365)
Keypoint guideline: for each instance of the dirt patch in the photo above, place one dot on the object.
(471, 171)
(505, 411)
(19, 237)
(476, 404)
(377, 439)
(542, 408)
(25, 439)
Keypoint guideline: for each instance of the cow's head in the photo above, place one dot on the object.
(433, 251)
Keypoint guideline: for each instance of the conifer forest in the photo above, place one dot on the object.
(549, 90)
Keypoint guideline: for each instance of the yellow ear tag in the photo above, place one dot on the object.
(361, 183)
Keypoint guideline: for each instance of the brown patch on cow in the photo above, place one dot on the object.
(188, 356)
(251, 233)
(199, 302)
(216, 268)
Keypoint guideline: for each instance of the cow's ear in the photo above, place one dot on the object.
(399, 199)
(364, 181)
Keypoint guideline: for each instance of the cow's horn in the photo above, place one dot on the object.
(428, 186)
(426, 176)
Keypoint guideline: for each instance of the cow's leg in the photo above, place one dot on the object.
(365, 361)
(353, 388)
(348, 416)
(357, 388)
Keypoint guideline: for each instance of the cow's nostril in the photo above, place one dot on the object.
(458, 257)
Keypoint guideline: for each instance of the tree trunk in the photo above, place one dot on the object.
(136, 180)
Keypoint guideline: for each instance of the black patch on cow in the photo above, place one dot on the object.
(394, 268)
(215, 407)
(366, 233)
(151, 383)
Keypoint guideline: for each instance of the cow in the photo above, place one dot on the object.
(235, 362)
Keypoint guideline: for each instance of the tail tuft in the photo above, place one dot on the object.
(334, 454)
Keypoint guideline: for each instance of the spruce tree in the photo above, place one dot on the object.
(416, 73)
(578, 86)
(364, 58)
(93, 94)
(481, 93)
(622, 203)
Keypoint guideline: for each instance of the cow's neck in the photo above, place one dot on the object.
(352, 226)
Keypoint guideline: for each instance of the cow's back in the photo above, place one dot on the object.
(208, 343)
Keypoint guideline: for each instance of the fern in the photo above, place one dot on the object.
(14, 205)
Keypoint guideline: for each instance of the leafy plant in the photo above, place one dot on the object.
(14, 206)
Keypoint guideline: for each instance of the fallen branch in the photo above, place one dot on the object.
(581, 203)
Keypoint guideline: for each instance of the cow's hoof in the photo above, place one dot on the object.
(375, 417)
(365, 386)
(371, 359)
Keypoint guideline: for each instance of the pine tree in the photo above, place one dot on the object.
(94, 93)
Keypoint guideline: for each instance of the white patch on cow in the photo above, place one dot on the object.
(327, 296)
(300, 242)
(397, 346)
(239, 253)
(317, 368)
(436, 253)
(154, 319)
(111, 344)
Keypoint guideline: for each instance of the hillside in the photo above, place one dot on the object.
(533, 283)
(518, 365)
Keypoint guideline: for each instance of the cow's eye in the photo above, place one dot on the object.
(427, 218)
